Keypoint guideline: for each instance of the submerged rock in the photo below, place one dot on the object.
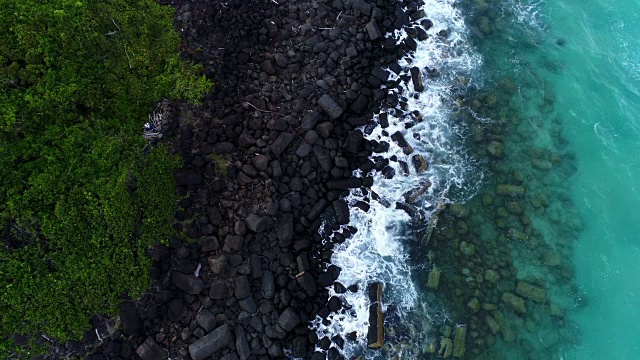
(531, 292)
(491, 276)
(446, 348)
(496, 149)
(467, 249)
(505, 329)
(510, 190)
(514, 302)
(434, 279)
(459, 339)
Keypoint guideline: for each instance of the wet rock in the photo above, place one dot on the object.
(510, 190)
(419, 163)
(459, 339)
(330, 106)
(515, 302)
(416, 77)
(150, 350)
(211, 343)
(187, 283)
(496, 149)
(531, 292)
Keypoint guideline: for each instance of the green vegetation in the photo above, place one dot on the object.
(79, 199)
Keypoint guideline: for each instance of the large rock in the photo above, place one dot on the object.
(317, 209)
(343, 184)
(459, 339)
(531, 292)
(242, 346)
(310, 120)
(268, 285)
(224, 148)
(150, 350)
(416, 77)
(206, 320)
(242, 287)
(255, 223)
(330, 106)
(209, 344)
(307, 283)
(129, 319)
(218, 263)
(281, 143)
(285, 229)
(188, 283)
(289, 319)
(373, 30)
(188, 177)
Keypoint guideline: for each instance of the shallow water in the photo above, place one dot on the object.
(556, 84)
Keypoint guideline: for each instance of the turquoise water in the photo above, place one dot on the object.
(598, 99)
(576, 66)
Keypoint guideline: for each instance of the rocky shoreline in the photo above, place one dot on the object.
(268, 157)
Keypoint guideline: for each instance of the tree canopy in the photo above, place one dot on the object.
(79, 199)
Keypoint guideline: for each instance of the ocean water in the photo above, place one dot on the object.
(577, 65)
(540, 95)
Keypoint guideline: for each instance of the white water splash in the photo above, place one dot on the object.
(379, 251)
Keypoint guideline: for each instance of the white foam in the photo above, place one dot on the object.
(379, 250)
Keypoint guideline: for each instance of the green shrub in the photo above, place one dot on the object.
(79, 200)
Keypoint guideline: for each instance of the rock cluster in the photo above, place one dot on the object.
(267, 158)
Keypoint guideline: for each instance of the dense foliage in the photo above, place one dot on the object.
(79, 199)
